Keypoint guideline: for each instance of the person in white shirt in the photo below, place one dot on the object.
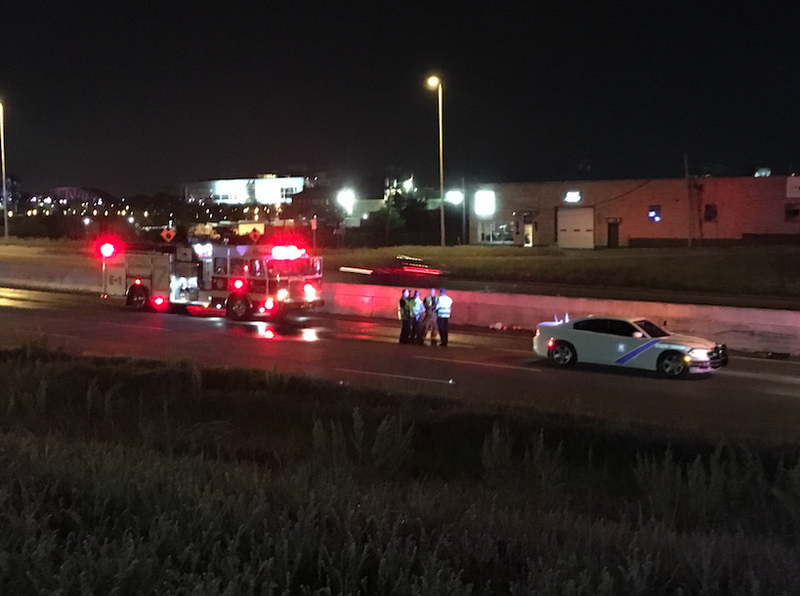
(444, 306)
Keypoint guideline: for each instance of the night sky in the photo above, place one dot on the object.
(141, 97)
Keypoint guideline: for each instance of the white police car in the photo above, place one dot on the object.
(628, 342)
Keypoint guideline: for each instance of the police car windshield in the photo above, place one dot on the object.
(651, 328)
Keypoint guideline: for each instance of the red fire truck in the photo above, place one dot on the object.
(244, 280)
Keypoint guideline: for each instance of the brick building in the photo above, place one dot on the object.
(659, 212)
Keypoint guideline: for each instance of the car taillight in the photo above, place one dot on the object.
(159, 301)
(137, 282)
(551, 342)
(538, 333)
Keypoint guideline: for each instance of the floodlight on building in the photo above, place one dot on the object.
(408, 185)
(347, 199)
(454, 197)
(485, 203)
(573, 196)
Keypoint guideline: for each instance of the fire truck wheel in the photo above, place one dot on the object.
(238, 308)
(137, 298)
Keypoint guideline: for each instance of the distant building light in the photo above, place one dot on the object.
(763, 172)
(454, 197)
(573, 196)
(485, 203)
(408, 184)
(347, 199)
(86, 221)
(654, 213)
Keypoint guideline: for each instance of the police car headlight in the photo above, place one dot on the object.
(698, 354)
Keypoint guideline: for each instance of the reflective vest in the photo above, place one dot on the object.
(445, 304)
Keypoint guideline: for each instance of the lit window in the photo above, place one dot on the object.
(485, 202)
(654, 213)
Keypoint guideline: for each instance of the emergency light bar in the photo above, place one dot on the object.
(287, 253)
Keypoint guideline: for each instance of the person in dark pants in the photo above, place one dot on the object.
(444, 306)
(406, 316)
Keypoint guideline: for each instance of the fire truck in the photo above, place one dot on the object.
(243, 280)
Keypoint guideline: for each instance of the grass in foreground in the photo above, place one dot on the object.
(130, 477)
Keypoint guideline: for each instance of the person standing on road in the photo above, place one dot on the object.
(418, 310)
(429, 320)
(444, 306)
(405, 314)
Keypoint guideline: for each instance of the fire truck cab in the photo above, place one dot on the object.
(245, 281)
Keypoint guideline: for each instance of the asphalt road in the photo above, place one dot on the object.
(752, 398)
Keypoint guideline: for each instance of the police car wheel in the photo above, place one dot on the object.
(672, 365)
(137, 298)
(563, 354)
(238, 308)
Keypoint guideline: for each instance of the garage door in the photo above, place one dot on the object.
(576, 227)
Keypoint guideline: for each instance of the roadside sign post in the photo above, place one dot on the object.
(314, 232)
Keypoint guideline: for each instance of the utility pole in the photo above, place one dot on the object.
(690, 213)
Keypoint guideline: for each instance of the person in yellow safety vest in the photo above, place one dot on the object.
(429, 320)
(418, 309)
(406, 316)
(444, 306)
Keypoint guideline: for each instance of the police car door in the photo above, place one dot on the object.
(592, 340)
(629, 344)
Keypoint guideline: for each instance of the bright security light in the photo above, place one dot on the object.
(408, 185)
(485, 202)
(454, 197)
(573, 196)
(433, 82)
(347, 199)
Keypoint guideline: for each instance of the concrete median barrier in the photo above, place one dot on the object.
(745, 329)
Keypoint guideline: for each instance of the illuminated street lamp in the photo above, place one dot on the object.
(3, 160)
(436, 83)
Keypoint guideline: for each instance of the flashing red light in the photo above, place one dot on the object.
(137, 282)
(159, 301)
(425, 270)
(270, 303)
(287, 253)
(551, 342)
(107, 250)
(238, 284)
(269, 334)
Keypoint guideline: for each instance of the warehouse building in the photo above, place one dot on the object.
(704, 211)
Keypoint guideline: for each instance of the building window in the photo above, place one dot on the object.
(286, 193)
(710, 213)
(497, 232)
(654, 213)
(791, 212)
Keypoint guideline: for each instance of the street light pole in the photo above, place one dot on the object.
(3, 160)
(436, 83)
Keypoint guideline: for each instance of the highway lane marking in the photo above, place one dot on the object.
(470, 362)
(377, 374)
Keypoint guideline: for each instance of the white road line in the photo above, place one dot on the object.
(377, 374)
(471, 363)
